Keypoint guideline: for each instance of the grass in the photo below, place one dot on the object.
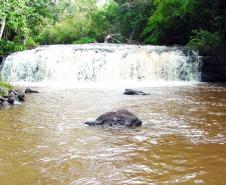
(4, 86)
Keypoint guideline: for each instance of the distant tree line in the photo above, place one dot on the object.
(199, 24)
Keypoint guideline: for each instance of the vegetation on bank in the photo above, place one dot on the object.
(4, 87)
(200, 24)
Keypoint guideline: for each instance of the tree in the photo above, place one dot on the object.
(170, 23)
(73, 22)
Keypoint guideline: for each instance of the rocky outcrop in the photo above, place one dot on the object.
(213, 69)
(117, 118)
(11, 97)
(134, 92)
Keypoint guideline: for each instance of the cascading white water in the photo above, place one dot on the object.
(73, 64)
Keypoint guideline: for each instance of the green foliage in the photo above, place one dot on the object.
(7, 47)
(85, 40)
(167, 24)
(30, 43)
(173, 22)
(201, 24)
(127, 18)
(205, 42)
(103, 21)
(5, 85)
(23, 20)
(74, 23)
(65, 32)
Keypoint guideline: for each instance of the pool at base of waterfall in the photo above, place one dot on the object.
(182, 139)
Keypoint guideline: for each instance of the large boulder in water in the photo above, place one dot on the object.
(117, 118)
(134, 92)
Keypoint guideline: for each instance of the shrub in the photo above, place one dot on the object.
(4, 87)
(30, 43)
(205, 42)
(84, 40)
(7, 47)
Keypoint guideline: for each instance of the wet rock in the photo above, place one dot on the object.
(11, 100)
(134, 92)
(213, 69)
(28, 91)
(108, 39)
(2, 99)
(117, 118)
(4, 104)
(16, 94)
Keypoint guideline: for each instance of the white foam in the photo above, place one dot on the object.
(103, 65)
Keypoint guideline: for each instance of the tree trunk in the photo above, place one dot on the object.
(2, 28)
(131, 36)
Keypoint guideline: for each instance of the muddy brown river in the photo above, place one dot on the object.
(182, 140)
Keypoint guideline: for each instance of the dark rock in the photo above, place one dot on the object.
(2, 99)
(18, 94)
(213, 69)
(1, 60)
(10, 94)
(134, 92)
(11, 100)
(28, 90)
(108, 39)
(118, 118)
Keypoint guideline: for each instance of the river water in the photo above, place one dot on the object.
(182, 140)
(44, 141)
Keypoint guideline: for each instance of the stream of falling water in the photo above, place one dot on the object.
(73, 65)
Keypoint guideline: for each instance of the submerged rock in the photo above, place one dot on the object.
(134, 92)
(28, 91)
(117, 118)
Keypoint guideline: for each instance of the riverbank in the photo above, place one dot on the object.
(9, 96)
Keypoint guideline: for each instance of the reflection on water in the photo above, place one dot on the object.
(182, 140)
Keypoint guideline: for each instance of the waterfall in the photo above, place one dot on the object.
(95, 63)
